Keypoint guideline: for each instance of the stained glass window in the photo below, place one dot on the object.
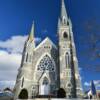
(46, 64)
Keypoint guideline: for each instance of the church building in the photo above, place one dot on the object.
(48, 68)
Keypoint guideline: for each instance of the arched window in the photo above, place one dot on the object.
(45, 81)
(67, 59)
(64, 20)
(65, 35)
(46, 63)
(30, 58)
(26, 57)
(67, 23)
(69, 85)
(22, 82)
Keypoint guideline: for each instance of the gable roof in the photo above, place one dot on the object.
(44, 41)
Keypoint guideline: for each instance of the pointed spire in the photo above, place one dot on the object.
(64, 16)
(31, 35)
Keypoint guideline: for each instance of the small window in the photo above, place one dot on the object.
(30, 58)
(65, 35)
(69, 85)
(67, 58)
(67, 23)
(45, 81)
(64, 21)
(22, 82)
(47, 47)
(26, 57)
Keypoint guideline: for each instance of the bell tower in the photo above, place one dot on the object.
(68, 64)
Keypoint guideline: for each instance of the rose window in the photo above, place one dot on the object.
(46, 64)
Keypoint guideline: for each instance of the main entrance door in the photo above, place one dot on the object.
(45, 87)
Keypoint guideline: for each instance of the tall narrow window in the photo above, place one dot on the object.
(30, 58)
(26, 57)
(22, 82)
(45, 81)
(67, 59)
(64, 20)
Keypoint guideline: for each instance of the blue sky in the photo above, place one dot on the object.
(16, 17)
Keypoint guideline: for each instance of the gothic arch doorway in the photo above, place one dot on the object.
(45, 87)
(23, 94)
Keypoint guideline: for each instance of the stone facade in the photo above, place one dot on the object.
(47, 67)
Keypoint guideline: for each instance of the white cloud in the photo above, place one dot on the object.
(16, 43)
(9, 84)
(9, 64)
(87, 83)
(37, 39)
(96, 82)
(10, 59)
